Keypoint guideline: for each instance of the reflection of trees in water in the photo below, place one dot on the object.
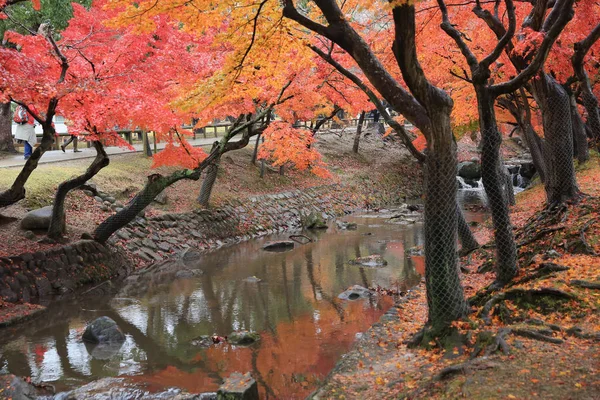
(316, 287)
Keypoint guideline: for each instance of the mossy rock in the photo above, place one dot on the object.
(243, 338)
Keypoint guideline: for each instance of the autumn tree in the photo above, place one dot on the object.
(25, 17)
(428, 108)
(487, 93)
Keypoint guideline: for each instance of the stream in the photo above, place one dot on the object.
(294, 306)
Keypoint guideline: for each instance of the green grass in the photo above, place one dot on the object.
(122, 173)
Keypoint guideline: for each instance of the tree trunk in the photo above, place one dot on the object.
(146, 144)
(57, 223)
(156, 183)
(561, 183)
(361, 119)
(444, 291)
(509, 192)
(465, 236)
(208, 184)
(535, 144)
(282, 170)
(255, 153)
(493, 182)
(17, 190)
(580, 143)
(6, 139)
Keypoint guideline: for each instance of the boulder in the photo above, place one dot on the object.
(103, 351)
(161, 198)
(103, 330)
(349, 226)
(527, 170)
(238, 387)
(280, 245)
(370, 261)
(355, 292)
(13, 387)
(313, 221)
(37, 219)
(469, 170)
(243, 338)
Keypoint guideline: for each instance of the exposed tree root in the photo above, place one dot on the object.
(540, 234)
(526, 294)
(533, 334)
(587, 248)
(585, 284)
(477, 364)
(544, 270)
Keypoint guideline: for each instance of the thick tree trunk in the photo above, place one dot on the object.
(444, 291)
(208, 183)
(580, 143)
(561, 183)
(57, 223)
(493, 182)
(361, 120)
(465, 236)
(17, 190)
(6, 139)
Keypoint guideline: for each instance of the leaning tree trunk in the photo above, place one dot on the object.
(17, 190)
(561, 183)
(361, 120)
(58, 225)
(208, 183)
(156, 183)
(580, 144)
(465, 236)
(493, 182)
(6, 139)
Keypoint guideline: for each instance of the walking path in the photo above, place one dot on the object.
(53, 156)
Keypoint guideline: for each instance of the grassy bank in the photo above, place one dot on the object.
(381, 173)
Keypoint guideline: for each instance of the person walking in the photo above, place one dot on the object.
(72, 138)
(25, 132)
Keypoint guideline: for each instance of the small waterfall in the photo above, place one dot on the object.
(462, 184)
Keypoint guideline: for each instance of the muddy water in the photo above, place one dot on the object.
(304, 327)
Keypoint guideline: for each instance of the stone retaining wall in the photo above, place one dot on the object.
(41, 275)
(156, 238)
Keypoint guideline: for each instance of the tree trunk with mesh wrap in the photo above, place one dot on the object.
(444, 291)
(580, 143)
(561, 184)
(465, 236)
(493, 182)
(208, 183)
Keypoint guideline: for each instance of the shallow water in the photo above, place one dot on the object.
(304, 327)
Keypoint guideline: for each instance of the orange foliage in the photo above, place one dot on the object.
(284, 144)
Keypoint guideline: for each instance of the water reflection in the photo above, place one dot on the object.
(304, 327)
